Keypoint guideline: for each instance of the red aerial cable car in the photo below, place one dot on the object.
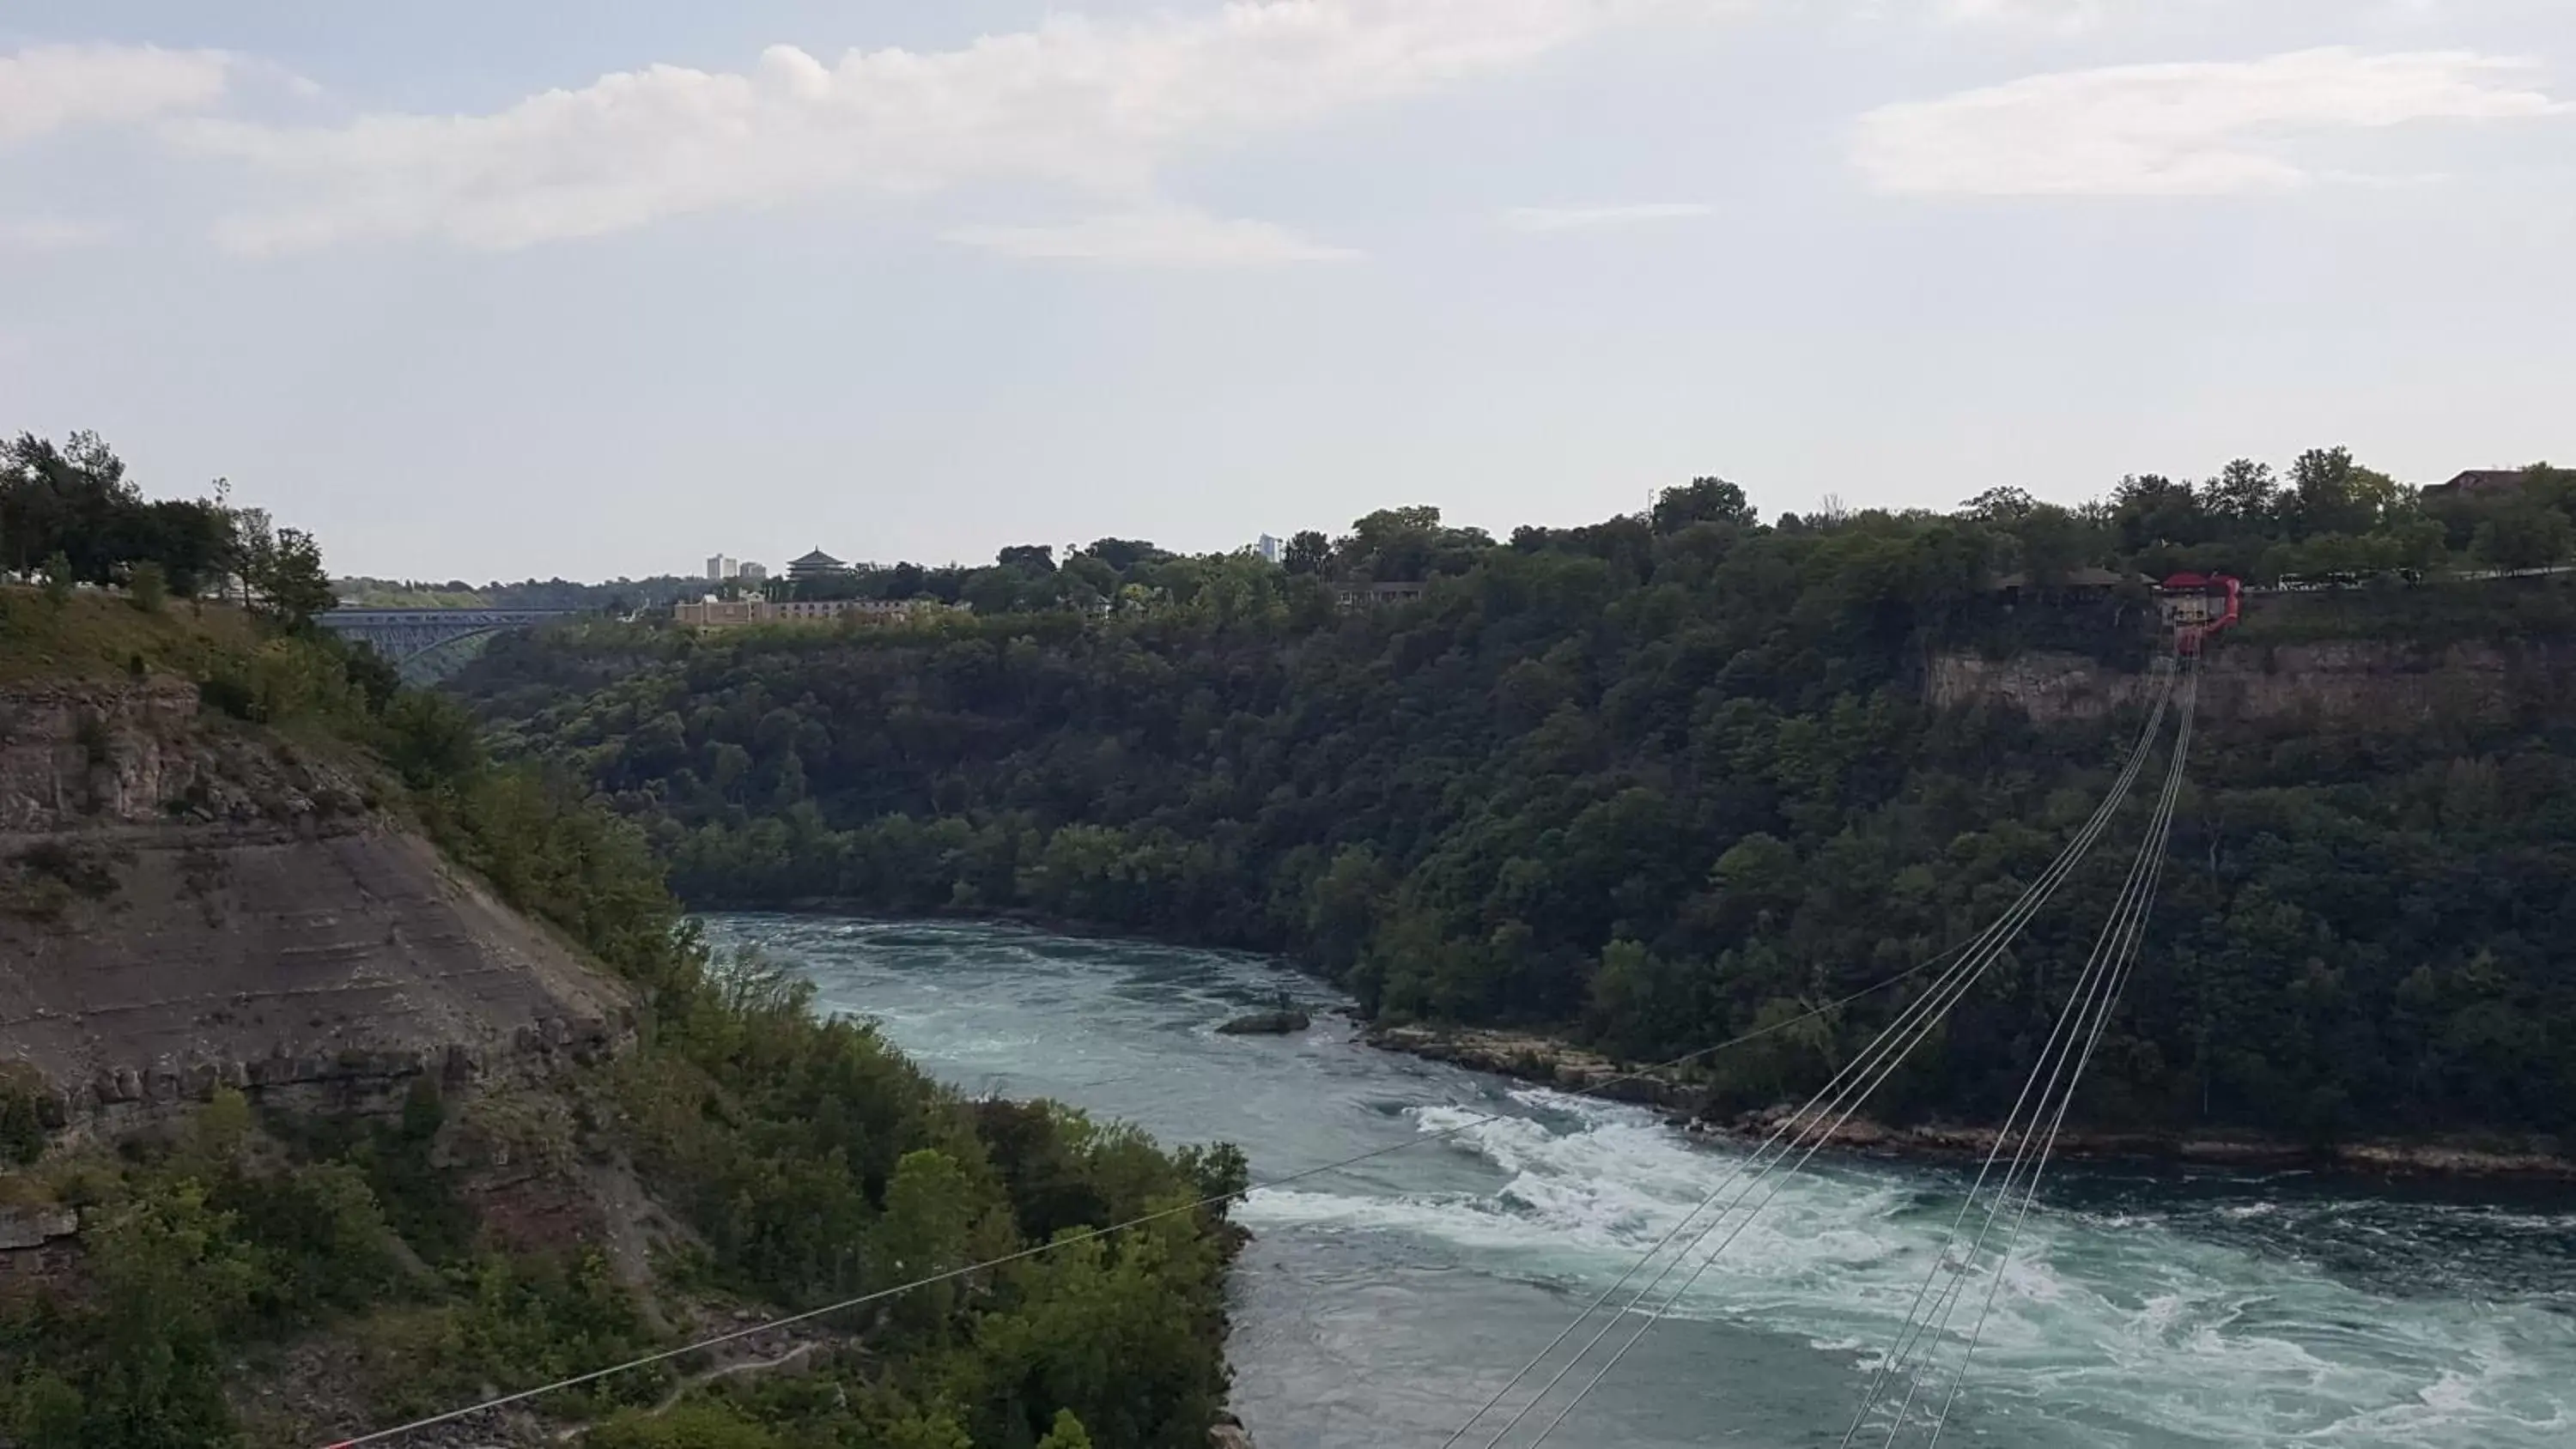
(2199, 605)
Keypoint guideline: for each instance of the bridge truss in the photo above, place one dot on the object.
(419, 641)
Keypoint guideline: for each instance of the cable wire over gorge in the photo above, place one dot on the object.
(1469, 1123)
(1806, 1131)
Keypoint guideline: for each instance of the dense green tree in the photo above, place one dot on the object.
(74, 499)
(1065, 1433)
(2153, 510)
(286, 579)
(1125, 554)
(1703, 500)
(927, 1229)
(2331, 493)
(2524, 535)
(173, 1276)
(2244, 494)
(1308, 552)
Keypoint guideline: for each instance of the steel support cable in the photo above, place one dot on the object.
(2089, 1004)
(1921, 1032)
(2087, 1007)
(1940, 983)
(1915, 1313)
(2081, 1005)
(1935, 1006)
(1844, 1108)
(2126, 967)
(1915, 1333)
(1992, 939)
(2123, 963)
(1866, 1071)
(827, 1310)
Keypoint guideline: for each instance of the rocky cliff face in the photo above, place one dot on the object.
(2361, 685)
(186, 903)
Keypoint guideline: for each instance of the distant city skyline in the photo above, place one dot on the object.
(495, 290)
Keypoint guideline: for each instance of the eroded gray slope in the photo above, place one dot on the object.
(187, 902)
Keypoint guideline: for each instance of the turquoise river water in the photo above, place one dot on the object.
(1376, 1308)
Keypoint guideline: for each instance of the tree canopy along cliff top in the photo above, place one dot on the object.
(1659, 779)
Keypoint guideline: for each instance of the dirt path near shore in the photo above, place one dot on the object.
(681, 1388)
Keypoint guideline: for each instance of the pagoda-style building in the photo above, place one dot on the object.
(815, 565)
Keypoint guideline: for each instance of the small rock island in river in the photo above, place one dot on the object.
(1285, 1021)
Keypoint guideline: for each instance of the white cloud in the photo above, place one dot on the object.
(51, 233)
(49, 88)
(1094, 106)
(2082, 17)
(2058, 15)
(2173, 130)
(1162, 237)
(1578, 218)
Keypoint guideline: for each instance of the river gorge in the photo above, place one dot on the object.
(1380, 1305)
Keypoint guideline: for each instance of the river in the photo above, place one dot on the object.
(1376, 1308)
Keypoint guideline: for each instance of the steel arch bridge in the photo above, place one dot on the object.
(417, 640)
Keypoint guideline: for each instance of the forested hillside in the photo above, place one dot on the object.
(1667, 777)
(223, 1267)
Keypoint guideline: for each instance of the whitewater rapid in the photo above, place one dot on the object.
(1380, 1306)
(2132, 1312)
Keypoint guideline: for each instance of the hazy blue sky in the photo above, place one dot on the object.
(592, 288)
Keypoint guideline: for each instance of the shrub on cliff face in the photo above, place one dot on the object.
(22, 1114)
(199, 1245)
(1066, 1433)
(430, 738)
(143, 1364)
(47, 880)
(149, 586)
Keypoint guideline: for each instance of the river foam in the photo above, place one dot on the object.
(2161, 1333)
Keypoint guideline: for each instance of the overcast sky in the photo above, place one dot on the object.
(598, 287)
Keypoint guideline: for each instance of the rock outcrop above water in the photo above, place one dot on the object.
(1285, 1022)
(35, 1225)
(1533, 1058)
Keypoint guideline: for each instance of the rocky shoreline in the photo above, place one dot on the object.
(1549, 1062)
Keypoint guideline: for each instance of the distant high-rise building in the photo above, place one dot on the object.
(721, 568)
(753, 573)
(1268, 548)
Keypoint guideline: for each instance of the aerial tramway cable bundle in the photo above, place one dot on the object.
(2036, 1117)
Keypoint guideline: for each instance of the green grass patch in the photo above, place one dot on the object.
(100, 636)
